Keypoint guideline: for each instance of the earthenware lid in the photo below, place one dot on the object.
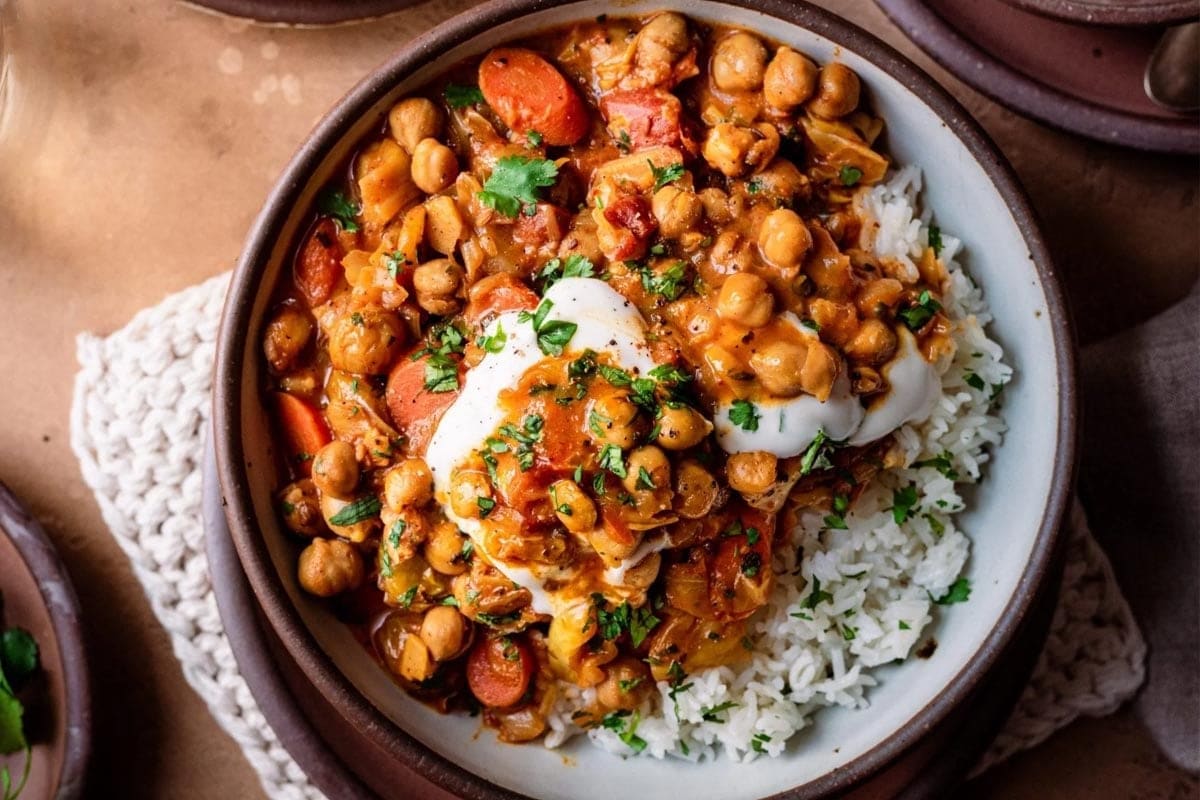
(1081, 78)
(36, 595)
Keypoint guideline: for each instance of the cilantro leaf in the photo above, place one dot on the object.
(903, 502)
(493, 342)
(612, 460)
(515, 181)
(743, 414)
(935, 239)
(916, 316)
(460, 96)
(665, 175)
(850, 176)
(357, 511)
(817, 454)
(441, 374)
(575, 266)
(817, 595)
(669, 283)
(335, 204)
(942, 463)
(959, 592)
(709, 713)
(18, 656)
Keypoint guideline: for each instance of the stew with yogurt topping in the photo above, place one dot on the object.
(593, 319)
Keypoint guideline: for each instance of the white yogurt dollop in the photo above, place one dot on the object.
(607, 323)
(787, 427)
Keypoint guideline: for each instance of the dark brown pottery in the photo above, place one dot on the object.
(240, 428)
(1080, 78)
(37, 595)
(1114, 12)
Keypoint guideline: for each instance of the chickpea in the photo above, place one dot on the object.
(329, 567)
(409, 484)
(696, 490)
(335, 469)
(444, 549)
(716, 205)
(751, 473)
(366, 341)
(879, 296)
(677, 210)
(648, 462)
(837, 94)
(414, 119)
(434, 166)
(302, 508)
(783, 239)
(738, 63)
(627, 683)
(642, 574)
(778, 367)
(681, 428)
(467, 488)
(437, 284)
(745, 299)
(789, 80)
(444, 632)
(574, 509)
(286, 337)
(821, 367)
(614, 416)
(416, 663)
(663, 39)
(874, 344)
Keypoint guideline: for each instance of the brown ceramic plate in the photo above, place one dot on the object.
(1080, 78)
(37, 595)
(305, 12)
(345, 764)
(1114, 12)
(1015, 514)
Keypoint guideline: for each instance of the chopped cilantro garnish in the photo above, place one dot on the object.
(942, 463)
(637, 622)
(357, 511)
(665, 175)
(935, 239)
(514, 183)
(904, 626)
(406, 599)
(533, 139)
(669, 373)
(441, 374)
(710, 713)
(903, 502)
(486, 504)
(644, 479)
(959, 592)
(335, 204)
(836, 522)
(974, 381)
(552, 335)
(744, 414)
(493, 342)
(460, 96)
(916, 316)
(817, 595)
(669, 283)
(612, 460)
(756, 743)
(574, 266)
(817, 454)
(850, 176)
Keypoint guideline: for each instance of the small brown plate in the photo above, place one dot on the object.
(1114, 12)
(305, 12)
(37, 595)
(1081, 78)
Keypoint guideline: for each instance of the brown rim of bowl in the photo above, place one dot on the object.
(303, 12)
(1098, 12)
(235, 325)
(1013, 89)
(43, 562)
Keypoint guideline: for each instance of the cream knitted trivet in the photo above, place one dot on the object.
(138, 422)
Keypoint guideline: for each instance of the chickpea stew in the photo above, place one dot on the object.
(594, 322)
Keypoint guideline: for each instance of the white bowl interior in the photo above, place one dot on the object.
(1003, 520)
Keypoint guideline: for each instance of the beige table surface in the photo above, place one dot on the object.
(144, 141)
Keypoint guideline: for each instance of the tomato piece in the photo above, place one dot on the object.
(528, 93)
(304, 429)
(415, 410)
(545, 227)
(496, 294)
(499, 669)
(643, 117)
(318, 265)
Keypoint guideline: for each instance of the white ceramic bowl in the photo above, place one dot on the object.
(1014, 514)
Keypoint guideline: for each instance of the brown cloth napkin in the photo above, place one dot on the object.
(1140, 483)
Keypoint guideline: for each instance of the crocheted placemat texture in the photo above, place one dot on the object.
(138, 422)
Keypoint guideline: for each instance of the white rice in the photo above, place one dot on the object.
(881, 575)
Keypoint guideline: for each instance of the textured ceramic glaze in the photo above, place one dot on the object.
(1014, 514)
